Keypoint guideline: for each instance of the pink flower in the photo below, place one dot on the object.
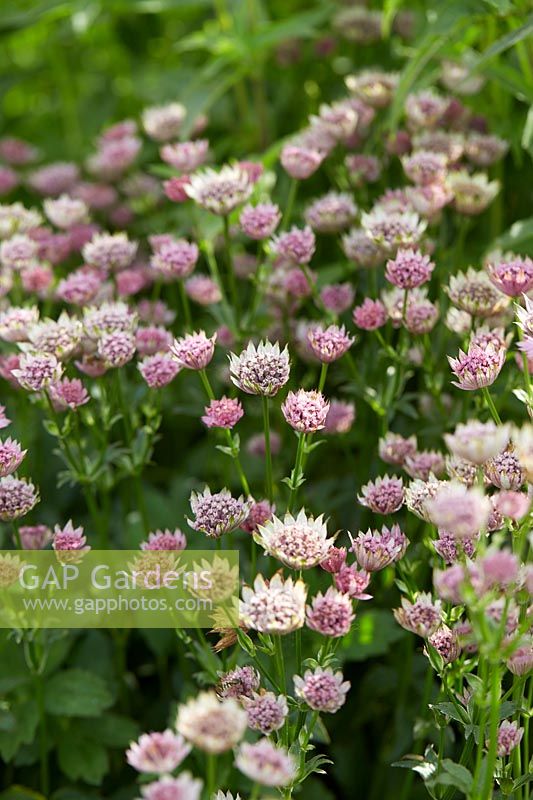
(80, 287)
(422, 617)
(239, 682)
(217, 513)
(152, 339)
(37, 370)
(409, 269)
(371, 315)
(69, 538)
(461, 510)
(159, 370)
(11, 456)
(68, 393)
(300, 162)
(116, 348)
(514, 505)
(175, 259)
(322, 689)
(425, 167)
(337, 297)
(361, 249)
(260, 221)
(266, 763)
(394, 448)
(505, 470)
(446, 643)
(330, 614)
(4, 421)
(296, 246)
(424, 463)
(165, 540)
(17, 497)
(194, 351)
(334, 560)
(158, 752)
(220, 192)
(223, 413)
(185, 156)
(266, 712)
(35, 537)
(349, 580)
(203, 290)
(340, 417)
(328, 344)
(513, 276)
(174, 189)
(451, 550)
(184, 787)
(385, 495)
(375, 550)
(109, 251)
(478, 368)
(499, 569)
(261, 512)
(261, 370)
(509, 737)
(53, 179)
(331, 213)
(305, 411)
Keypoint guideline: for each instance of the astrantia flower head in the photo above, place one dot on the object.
(473, 291)
(15, 218)
(4, 421)
(159, 370)
(35, 537)
(220, 192)
(158, 752)
(80, 287)
(328, 344)
(509, 737)
(194, 351)
(69, 538)
(59, 337)
(514, 505)
(239, 682)
(478, 368)
(425, 109)
(484, 149)
(260, 221)
(17, 497)
(477, 441)
(374, 87)
(429, 199)
(421, 316)
(266, 711)
(53, 179)
(472, 193)
(362, 169)
(16, 323)
(450, 549)
(422, 617)
(425, 167)
(424, 463)
(337, 297)
(300, 162)
(361, 249)
(385, 495)
(394, 448)
(107, 318)
(163, 122)
(276, 606)
(203, 290)
(392, 230)
(521, 661)
(260, 512)
(446, 643)
(11, 456)
(461, 510)
(116, 348)
(110, 251)
(223, 413)
(296, 246)
(513, 276)
(18, 253)
(266, 763)
(417, 494)
(298, 542)
(184, 787)
(165, 540)
(371, 315)
(217, 513)
(260, 370)
(305, 411)
(185, 156)
(175, 259)
(340, 417)
(211, 724)
(37, 370)
(409, 268)
(504, 470)
(375, 550)
(330, 614)
(322, 689)
(333, 212)
(65, 211)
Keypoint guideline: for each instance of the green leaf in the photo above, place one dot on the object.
(27, 718)
(16, 792)
(77, 693)
(519, 237)
(82, 758)
(113, 730)
(459, 776)
(373, 634)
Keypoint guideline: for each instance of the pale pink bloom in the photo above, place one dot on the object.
(305, 411)
(322, 689)
(478, 368)
(15, 218)
(37, 370)
(155, 312)
(409, 269)
(260, 221)
(194, 351)
(375, 550)
(349, 580)
(211, 724)
(80, 287)
(261, 370)
(217, 513)
(266, 763)
(17, 497)
(509, 737)
(428, 200)
(330, 614)
(477, 441)
(59, 337)
(163, 122)
(16, 323)
(184, 787)
(131, 281)
(92, 366)
(8, 179)
(69, 538)
(18, 253)
(334, 560)
(37, 279)
(421, 317)
(110, 251)
(331, 213)
(116, 348)
(35, 537)
(54, 179)
(513, 276)
(425, 109)
(4, 421)
(276, 606)
(392, 230)
(158, 752)
(8, 363)
(460, 510)
(296, 283)
(514, 505)
(152, 339)
(394, 448)
(219, 192)
(17, 151)
(203, 290)
(185, 156)
(256, 444)
(385, 495)
(11, 456)
(425, 167)
(107, 318)
(361, 249)
(240, 682)
(422, 617)
(340, 417)
(175, 259)
(446, 643)
(472, 192)
(260, 513)
(223, 413)
(499, 569)
(266, 711)
(359, 24)
(165, 540)
(485, 149)
(97, 196)
(298, 542)
(296, 246)
(451, 550)
(424, 463)
(113, 158)
(521, 661)
(373, 86)
(337, 297)
(362, 169)
(65, 211)
(328, 344)
(371, 315)
(254, 169)
(300, 162)
(505, 471)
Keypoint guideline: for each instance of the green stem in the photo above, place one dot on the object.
(268, 452)
(211, 774)
(297, 471)
(289, 205)
(230, 269)
(185, 305)
(323, 375)
(490, 405)
(488, 783)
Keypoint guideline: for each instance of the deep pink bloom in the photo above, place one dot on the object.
(175, 189)
(159, 370)
(337, 297)
(371, 315)
(223, 413)
(165, 540)
(349, 580)
(69, 538)
(260, 512)
(330, 614)
(334, 560)
(11, 456)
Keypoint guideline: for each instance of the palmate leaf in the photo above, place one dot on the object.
(77, 693)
